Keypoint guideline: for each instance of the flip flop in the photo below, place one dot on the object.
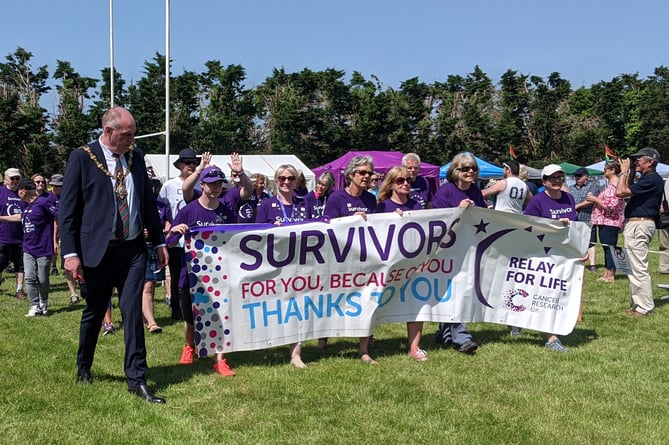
(365, 357)
(155, 329)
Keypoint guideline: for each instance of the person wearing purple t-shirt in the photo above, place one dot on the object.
(460, 191)
(11, 233)
(393, 196)
(552, 203)
(37, 220)
(205, 211)
(286, 208)
(420, 189)
(317, 198)
(233, 197)
(354, 199)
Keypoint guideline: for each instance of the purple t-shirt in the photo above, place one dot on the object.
(340, 203)
(53, 198)
(164, 212)
(38, 218)
(449, 195)
(231, 198)
(316, 205)
(546, 207)
(388, 205)
(247, 211)
(273, 210)
(420, 191)
(196, 216)
(10, 204)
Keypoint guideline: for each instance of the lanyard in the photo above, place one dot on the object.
(283, 210)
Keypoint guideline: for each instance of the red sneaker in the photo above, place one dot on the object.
(187, 355)
(223, 368)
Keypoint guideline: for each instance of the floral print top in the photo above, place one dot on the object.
(613, 212)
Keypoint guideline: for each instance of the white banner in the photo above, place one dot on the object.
(257, 286)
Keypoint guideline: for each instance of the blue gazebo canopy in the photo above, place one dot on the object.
(486, 170)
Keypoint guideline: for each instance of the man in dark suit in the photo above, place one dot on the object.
(105, 205)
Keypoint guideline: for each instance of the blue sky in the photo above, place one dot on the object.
(586, 41)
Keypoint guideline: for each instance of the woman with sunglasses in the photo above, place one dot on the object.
(460, 191)
(354, 199)
(553, 203)
(286, 208)
(393, 196)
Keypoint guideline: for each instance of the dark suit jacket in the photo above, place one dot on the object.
(87, 205)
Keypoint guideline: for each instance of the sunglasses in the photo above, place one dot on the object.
(373, 179)
(286, 178)
(400, 181)
(555, 178)
(215, 174)
(39, 182)
(363, 172)
(468, 169)
(189, 162)
(15, 178)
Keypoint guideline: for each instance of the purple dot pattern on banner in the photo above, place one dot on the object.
(212, 329)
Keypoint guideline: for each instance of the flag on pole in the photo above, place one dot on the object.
(608, 153)
(512, 153)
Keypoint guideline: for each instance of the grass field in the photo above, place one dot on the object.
(610, 388)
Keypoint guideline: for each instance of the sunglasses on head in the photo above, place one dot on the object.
(400, 181)
(467, 169)
(286, 178)
(215, 174)
(364, 172)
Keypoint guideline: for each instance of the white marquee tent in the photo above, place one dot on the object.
(265, 164)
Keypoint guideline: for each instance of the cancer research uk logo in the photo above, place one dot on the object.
(510, 299)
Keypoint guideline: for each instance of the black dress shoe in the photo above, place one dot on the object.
(84, 377)
(145, 393)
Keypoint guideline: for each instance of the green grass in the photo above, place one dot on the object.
(611, 388)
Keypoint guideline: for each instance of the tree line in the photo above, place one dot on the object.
(320, 115)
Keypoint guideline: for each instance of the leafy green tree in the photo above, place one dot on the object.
(654, 111)
(72, 126)
(24, 140)
(146, 101)
(227, 110)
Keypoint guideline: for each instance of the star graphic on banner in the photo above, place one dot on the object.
(481, 227)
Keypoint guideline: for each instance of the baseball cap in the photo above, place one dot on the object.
(26, 184)
(56, 179)
(648, 152)
(11, 172)
(551, 169)
(212, 174)
(581, 172)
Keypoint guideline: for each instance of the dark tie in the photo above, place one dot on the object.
(122, 215)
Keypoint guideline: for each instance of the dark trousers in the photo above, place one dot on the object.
(123, 268)
(608, 236)
(176, 257)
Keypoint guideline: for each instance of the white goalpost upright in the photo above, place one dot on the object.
(165, 132)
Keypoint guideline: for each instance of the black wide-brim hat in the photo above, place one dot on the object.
(186, 153)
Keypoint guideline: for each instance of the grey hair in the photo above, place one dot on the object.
(410, 157)
(354, 163)
(456, 163)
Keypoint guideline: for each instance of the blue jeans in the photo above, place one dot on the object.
(37, 271)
